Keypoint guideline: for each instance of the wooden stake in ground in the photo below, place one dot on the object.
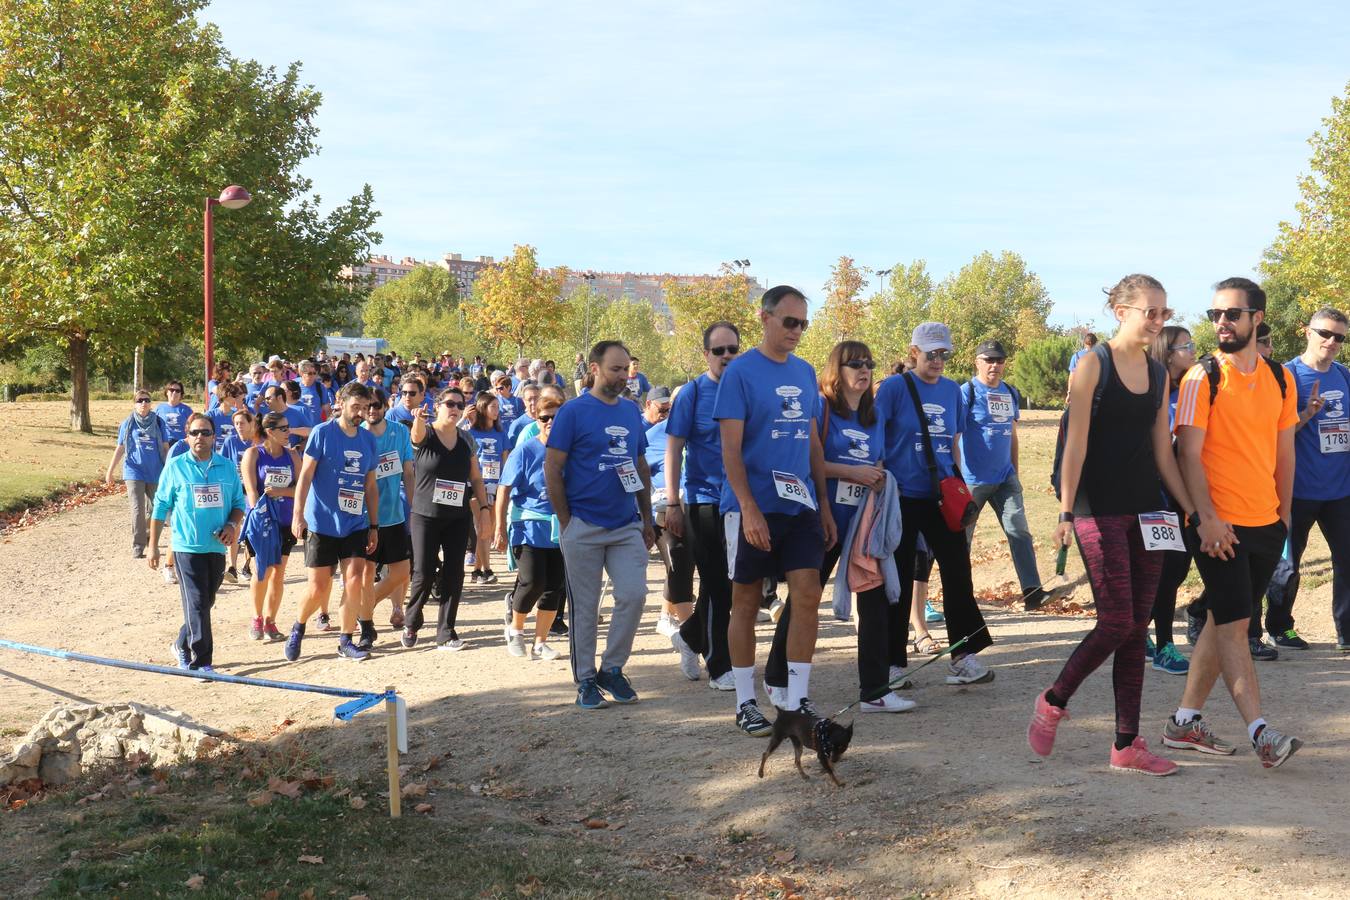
(391, 734)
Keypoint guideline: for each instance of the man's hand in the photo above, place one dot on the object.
(153, 559)
(372, 540)
(1217, 538)
(755, 529)
(648, 535)
(298, 525)
(1315, 403)
(873, 476)
(827, 525)
(675, 520)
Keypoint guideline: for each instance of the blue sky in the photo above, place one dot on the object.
(672, 137)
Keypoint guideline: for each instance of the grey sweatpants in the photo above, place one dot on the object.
(588, 553)
(141, 497)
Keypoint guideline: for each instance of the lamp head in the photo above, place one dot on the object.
(234, 197)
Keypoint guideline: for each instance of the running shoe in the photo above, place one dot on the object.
(270, 631)
(688, 658)
(453, 645)
(1193, 628)
(558, 628)
(890, 703)
(1033, 599)
(1045, 721)
(777, 695)
(750, 720)
(169, 575)
(1261, 651)
(589, 696)
(898, 680)
(507, 616)
(325, 623)
(1273, 748)
(724, 682)
(615, 683)
(1150, 649)
(776, 610)
(1137, 758)
(1169, 660)
(255, 629)
(515, 644)
(1289, 640)
(542, 651)
(666, 626)
(208, 670)
(807, 708)
(931, 615)
(763, 615)
(474, 577)
(245, 571)
(347, 649)
(470, 559)
(180, 657)
(1194, 735)
(408, 639)
(231, 575)
(488, 577)
(292, 649)
(138, 554)
(368, 634)
(1343, 646)
(969, 670)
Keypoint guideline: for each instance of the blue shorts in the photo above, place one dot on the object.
(795, 542)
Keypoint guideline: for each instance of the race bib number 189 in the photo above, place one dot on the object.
(1161, 531)
(448, 493)
(790, 487)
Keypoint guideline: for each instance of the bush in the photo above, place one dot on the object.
(46, 397)
(1041, 370)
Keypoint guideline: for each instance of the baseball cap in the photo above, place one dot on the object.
(658, 395)
(932, 336)
(991, 350)
(273, 359)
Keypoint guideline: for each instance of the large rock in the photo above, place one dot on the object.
(70, 740)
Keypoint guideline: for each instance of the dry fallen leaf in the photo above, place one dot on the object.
(783, 857)
(529, 887)
(196, 882)
(283, 787)
(593, 822)
(357, 802)
(307, 894)
(260, 798)
(423, 808)
(312, 860)
(415, 789)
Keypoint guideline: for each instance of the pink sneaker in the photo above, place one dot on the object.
(1139, 759)
(1044, 722)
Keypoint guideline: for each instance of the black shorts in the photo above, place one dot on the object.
(795, 542)
(1234, 587)
(324, 550)
(394, 546)
(287, 542)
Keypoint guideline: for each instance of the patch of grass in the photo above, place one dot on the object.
(41, 456)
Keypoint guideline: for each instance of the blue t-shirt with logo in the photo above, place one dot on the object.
(508, 408)
(491, 453)
(691, 418)
(313, 398)
(944, 407)
(299, 416)
(337, 501)
(174, 416)
(778, 403)
(392, 450)
(141, 460)
(1322, 445)
(986, 443)
(638, 385)
(599, 438)
(848, 442)
(523, 476)
(224, 425)
(522, 422)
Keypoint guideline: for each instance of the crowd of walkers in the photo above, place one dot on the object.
(761, 475)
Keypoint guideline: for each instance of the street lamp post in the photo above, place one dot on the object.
(233, 197)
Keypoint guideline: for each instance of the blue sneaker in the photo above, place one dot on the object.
(613, 682)
(1150, 649)
(347, 649)
(292, 649)
(932, 615)
(1169, 659)
(179, 655)
(589, 696)
(208, 670)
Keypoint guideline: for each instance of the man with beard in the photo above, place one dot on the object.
(1235, 425)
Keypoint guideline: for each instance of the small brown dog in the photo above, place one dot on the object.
(825, 736)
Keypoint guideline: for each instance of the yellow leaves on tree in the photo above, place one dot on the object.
(515, 302)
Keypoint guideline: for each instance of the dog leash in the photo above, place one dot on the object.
(890, 685)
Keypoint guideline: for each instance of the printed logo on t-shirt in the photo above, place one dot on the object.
(857, 443)
(618, 440)
(171, 418)
(935, 412)
(353, 464)
(1333, 406)
(792, 400)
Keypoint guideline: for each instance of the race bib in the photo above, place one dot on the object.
(492, 469)
(388, 466)
(848, 493)
(448, 493)
(276, 477)
(207, 496)
(790, 487)
(352, 501)
(628, 476)
(1334, 436)
(658, 496)
(1161, 531)
(1000, 405)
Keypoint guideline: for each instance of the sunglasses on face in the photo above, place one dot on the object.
(791, 323)
(453, 404)
(1152, 313)
(727, 350)
(142, 399)
(410, 393)
(278, 428)
(856, 364)
(173, 390)
(1326, 335)
(544, 420)
(201, 432)
(935, 355)
(992, 360)
(1232, 314)
(1189, 347)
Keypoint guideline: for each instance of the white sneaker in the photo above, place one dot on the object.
(169, 575)
(666, 626)
(724, 682)
(898, 680)
(543, 651)
(515, 644)
(763, 615)
(891, 703)
(451, 645)
(688, 658)
(969, 670)
(776, 610)
(778, 696)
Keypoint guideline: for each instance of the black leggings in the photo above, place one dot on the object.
(705, 631)
(1176, 564)
(952, 553)
(451, 538)
(539, 578)
(677, 555)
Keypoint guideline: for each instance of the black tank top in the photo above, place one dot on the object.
(1120, 474)
(441, 477)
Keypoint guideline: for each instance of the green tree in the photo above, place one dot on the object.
(116, 122)
(642, 331)
(991, 297)
(424, 289)
(696, 305)
(905, 301)
(841, 317)
(516, 303)
(1041, 369)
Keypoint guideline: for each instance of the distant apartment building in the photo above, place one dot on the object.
(381, 270)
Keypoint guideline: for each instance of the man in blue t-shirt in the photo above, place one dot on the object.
(529, 398)
(989, 462)
(142, 446)
(1089, 341)
(412, 395)
(693, 471)
(508, 407)
(337, 516)
(1321, 478)
(637, 383)
(600, 488)
(313, 395)
(767, 407)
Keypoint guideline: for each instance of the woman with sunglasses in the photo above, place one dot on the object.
(490, 438)
(269, 471)
(231, 396)
(221, 373)
(853, 437)
(142, 446)
(173, 412)
(1117, 460)
(1175, 350)
(447, 495)
(245, 436)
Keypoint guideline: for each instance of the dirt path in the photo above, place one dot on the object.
(945, 799)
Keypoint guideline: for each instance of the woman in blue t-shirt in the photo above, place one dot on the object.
(141, 449)
(173, 412)
(490, 437)
(269, 471)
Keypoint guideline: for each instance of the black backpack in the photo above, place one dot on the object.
(1157, 378)
(1211, 366)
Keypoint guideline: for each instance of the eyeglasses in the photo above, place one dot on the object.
(173, 390)
(1326, 335)
(1232, 314)
(543, 420)
(1188, 347)
(1265, 341)
(201, 432)
(1152, 313)
(791, 323)
(860, 364)
(453, 404)
(728, 350)
(993, 360)
(410, 393)
(278, 428)
(935, 355)
(142, 399)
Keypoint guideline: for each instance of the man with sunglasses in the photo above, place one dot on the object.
(1237, 457)
(529, 397)
(412, 397)
(1321, 477)
(276, 398)
(173, 412)
(692, 432)
(989, 462)
(316, 398)
(142, 446)
(767, 407)
(508, 407)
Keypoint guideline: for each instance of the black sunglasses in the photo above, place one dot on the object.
(867, 364)
(201, 432)
(173, 390)
(453, 404)
(1328, 335)
(728, 350)
(792, 322)
(1232, 314)
(410, 393)
(279, 428)
(935, 355)
(142, 399)
(543, 419)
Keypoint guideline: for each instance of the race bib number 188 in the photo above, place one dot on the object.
(352, 501)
